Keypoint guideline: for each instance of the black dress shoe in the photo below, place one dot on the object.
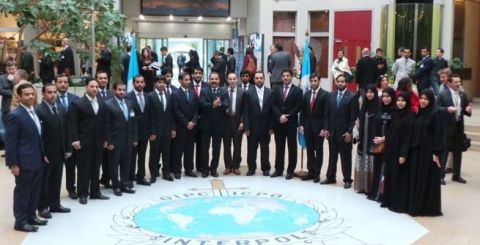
(143, 181)
(266, 173)
(250, 172)
(177, 176)
(153, 180)
(37, 221)
(44, 213)
(117, 192)
(347, 185)
(459, 180)
(328, 182)
(59, 209)
(214, 174)
(316, 179)
(307, 177)
(83, 200)
(289, 176)
(73, 195)
(128, 190)
(442, 181)
(99, 196)
(205, 174)
(26, 228)
(167, 177)
(276, 174)
(190, 174)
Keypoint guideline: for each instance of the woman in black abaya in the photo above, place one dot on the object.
(396, 176)
(426, 147)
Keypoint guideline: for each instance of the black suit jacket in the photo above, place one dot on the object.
(109, 94)
(66, 61)
(220, 66)
(168, 62)
(119, 130)
(160, 122)
(71, 97)
(449, 121)
(86, 126)
(342, 119)
(318, 119)
(291, 106)
(185, 111)
(6, 90)
(141, 117)
(239, 103)
(104, 61)
(249, 86)
(53, 132)
(46, 69)
(256, 120)
(366, 72)
(424, 71)
(202, 85)
(231, 65)
(213, 119)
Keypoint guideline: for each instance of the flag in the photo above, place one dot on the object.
(304, 84)
(132, 64)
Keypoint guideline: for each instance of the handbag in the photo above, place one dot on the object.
(378, 148)
(466, 143)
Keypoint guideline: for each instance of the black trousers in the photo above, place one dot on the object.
(314, 144)
(26, 195)
(288, 134)
(198, 150)
(138, 165)
(253, 141)
(105, 168)
(455, 146)
(337, 145)
(89, 160)
(71, 173)
(51, 185)
(444, 154)
(120, 156)
(232, 134)
(216, 138)
(160, 147)
(183, 145)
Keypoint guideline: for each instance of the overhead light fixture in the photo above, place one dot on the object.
(142, 17)
(229, 19)
(200, 17)
(171, 17)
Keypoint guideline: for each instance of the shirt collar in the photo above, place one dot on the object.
(234, 89)
(157, 91)
(289, 85)
(90, 98)
(60, 94)
(260, 89)
(342, 91)
(119, 100)
(49, 105)
(138, 92)
(316, 90)
(27, 108)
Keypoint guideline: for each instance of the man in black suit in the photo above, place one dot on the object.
(220, 67)
(245, 81)
(198, 85)
(231, 62)
(313, 124)
(185, 107)
(382, 67)
(453, 102)
(235, 127)
(423, 71)
(125, 62)
(104, 94)
(104, 60)
(53, 119)
(87, 134)
(214, 103)
(121, 134)
(161, 129)
(7, 81)
(342, 113)
(366, 71)
(287, 103)
(64, 100)
(26, 62)
(168, 74)
(25, 158)
(258, 122)
(66, 64)
(168, 60)
(46, 74)
(139, 103)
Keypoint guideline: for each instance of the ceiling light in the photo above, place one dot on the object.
(171, 17)
(200, 17)
(142, 17)
(229, 19)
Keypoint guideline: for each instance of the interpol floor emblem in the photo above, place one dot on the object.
(232, 210)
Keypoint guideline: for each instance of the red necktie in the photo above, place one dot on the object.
(196, 90)
(312, 102)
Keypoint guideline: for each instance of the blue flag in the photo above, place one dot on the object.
(132, 65)
(304, 84)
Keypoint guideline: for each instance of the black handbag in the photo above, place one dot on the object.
(466, 142)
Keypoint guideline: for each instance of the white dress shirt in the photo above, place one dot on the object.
(233, 99)
(94, 103)
(260, 93)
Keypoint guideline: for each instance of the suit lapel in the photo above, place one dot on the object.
(88, 105)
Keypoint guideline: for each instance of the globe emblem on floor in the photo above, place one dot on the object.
(226, 217)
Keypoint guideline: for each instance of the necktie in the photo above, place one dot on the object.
(260, 98)
(103, 94)
(456, 103)
(141, 101)
(124, 108)
(231, 102)
(54, 110)
(339, 98)
(187, 95)
(197, 91)
(245, 87)
(64, 103)
(285, 92)
(36, 120)
(168, 89)
(162, 100)
(312, 101)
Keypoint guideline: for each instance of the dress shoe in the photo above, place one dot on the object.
(328, 182)
(227, 172)
(117, 192)
(459, 180)
(250, 172)
(99, 196)
(128, 190)
(83, 200)
(26, 228)
(177, 176)
(236, 171)
(190, 174)
(167, 177)
(316, 179)
(153, 180)
(205, 174)
(44, 213)
(276, 174)
(37, 221)
(307, 177)
(347, 185)
(289, 176)
(59, 209)
(448, 170)
(266, 173)
(73, 195)
(214, 174)
(442, 181)
(143, 181)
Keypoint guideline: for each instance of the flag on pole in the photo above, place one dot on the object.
(305, 85)
(132, 64)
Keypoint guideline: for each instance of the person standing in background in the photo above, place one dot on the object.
(104, 61)
(381, 62)
(231, 62)
(280, 62)
(423, 71)
(439, 63)
(47, 75)
(66, 64)
(26, 63)
(366, 71)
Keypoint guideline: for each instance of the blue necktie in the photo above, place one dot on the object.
(339, 98)
(64, 103)
(124, 109)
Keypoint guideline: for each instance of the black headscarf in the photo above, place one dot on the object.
(407, 109)
(424, 117)
(370, 106)
(431, 99)
(390, 107)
